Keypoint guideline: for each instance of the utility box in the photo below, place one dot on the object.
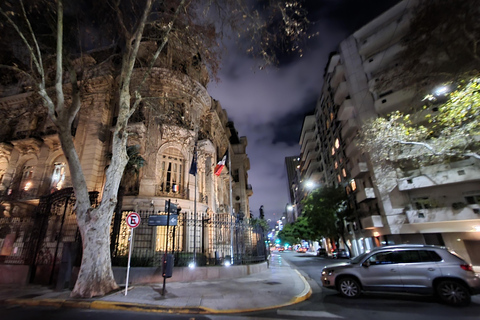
(167, 268)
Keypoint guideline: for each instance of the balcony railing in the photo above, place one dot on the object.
(365, 194)
(160, 191)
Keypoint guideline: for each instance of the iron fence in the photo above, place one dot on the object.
(203, 240)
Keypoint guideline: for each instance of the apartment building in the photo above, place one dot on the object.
(434, 204)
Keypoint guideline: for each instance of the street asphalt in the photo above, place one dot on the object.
(280, 285)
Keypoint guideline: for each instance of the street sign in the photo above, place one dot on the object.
(133, 220)
(161, 220)
(173, 207)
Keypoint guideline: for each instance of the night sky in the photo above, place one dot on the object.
(268, 106)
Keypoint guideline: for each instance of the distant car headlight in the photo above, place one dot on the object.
(324, 272)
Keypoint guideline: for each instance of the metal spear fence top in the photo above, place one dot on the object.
(210, 244)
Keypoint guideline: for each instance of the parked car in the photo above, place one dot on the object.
(322, 252)
(340, 254)
(419, 269)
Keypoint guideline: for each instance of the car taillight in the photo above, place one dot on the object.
(466, 267)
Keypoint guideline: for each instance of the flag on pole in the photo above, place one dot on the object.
(193, 166)
(219, 167)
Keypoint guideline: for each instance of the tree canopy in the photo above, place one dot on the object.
(323, 208)
(293, 233)
(438, 132)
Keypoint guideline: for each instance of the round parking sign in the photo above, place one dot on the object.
(133, 219)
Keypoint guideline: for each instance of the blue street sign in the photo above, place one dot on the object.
(161, 220)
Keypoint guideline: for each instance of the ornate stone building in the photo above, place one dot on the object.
(177, 116)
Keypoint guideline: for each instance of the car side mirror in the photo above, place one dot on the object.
(366, 264)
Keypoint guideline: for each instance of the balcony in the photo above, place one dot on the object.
(249, 190)
(359, 170)
(384, 36)
(391, 102)
(371, 222)
(337, 76)
(435, 176)
(341, 93)
(346, 110)
(365, 195)
(351, 148)
(443, 214)
(168, 193)
(348, 127)
(382, 59)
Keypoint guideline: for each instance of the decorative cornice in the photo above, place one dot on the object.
(29, 145)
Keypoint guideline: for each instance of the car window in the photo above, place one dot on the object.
(383, 258)
(429, 256)
(409, 256)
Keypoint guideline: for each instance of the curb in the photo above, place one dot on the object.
(137, 307)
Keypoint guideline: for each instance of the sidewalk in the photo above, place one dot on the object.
(276, 287)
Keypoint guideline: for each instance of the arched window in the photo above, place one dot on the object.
(171, 171)
(58, 176)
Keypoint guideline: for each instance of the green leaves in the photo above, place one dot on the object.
(436, 133)
(323, 208)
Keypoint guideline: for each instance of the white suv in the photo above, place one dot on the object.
(420, 269)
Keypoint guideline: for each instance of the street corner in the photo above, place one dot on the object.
(305, 294)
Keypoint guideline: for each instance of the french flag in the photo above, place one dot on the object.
(219, 167)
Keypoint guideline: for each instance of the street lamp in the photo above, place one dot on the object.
(310, 185)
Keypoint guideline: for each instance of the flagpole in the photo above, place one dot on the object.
(231, 203)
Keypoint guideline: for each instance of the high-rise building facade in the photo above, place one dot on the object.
(431, 204)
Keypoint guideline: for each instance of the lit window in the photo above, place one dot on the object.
(336, 165)
(344, 172)
(353, 184)
(27, 178)
(171, 173)
(28, 185)
(333, 151)
(339, 178)
(58, 176)
(337, 143)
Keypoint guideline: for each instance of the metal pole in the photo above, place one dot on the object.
(231, 203)
(195, 223)
(164, 263)
(129, 257)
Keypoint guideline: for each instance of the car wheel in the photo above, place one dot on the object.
(453, 293)
(349, 287)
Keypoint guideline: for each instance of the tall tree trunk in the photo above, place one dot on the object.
(96, 276)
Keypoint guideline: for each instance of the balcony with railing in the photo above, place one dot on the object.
(456, 212)
(346, 110)
(373, 221)
(392, 101)
(182, 193)
(384, 36)
(349, 127)
(359, 170)
(341, 93)
(337, 76)
(249, 190)
(365, 195)
(445, 174)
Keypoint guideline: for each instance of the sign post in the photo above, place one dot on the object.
(133, 221)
